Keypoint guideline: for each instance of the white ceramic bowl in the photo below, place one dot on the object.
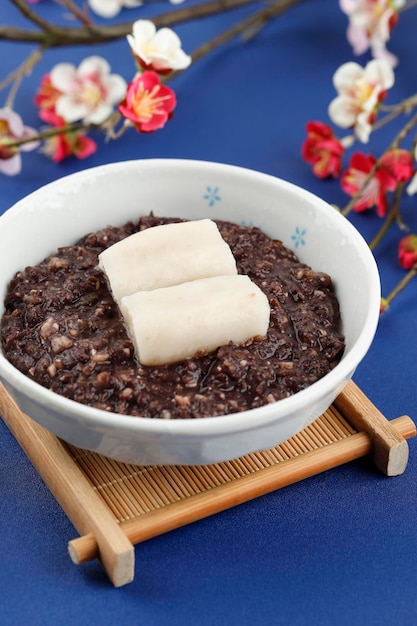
(61, 212)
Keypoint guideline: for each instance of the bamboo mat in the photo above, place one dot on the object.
(115, 505)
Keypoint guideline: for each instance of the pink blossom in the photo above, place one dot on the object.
(370, 25)
(360, 92)
(46, 97)
(323, 150)
(158, 50)
(394, 167)
(148, 104)
(89, 92)
(13, 129)
(407, 251)
(64, 145)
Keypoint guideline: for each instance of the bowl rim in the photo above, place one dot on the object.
(222, 424)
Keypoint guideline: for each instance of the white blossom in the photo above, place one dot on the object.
(110, 8)
(89, 92)
(12, 128)
(360, 90)
(160, 50)
(370, 25)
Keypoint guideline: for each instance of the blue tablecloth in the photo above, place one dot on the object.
(338, 548)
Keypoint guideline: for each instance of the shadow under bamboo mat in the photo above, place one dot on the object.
(114, 505)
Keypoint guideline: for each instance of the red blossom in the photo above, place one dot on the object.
(148, 103)
(394, 167)
(52, 118)
(64, 145)
(72, 144)
(46, 97)
(407, 251)
(398, 164)
(322, 150)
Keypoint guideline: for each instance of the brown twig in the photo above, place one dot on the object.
(23, 70)
(52, 132)
(401, 286)
(31, 15)
(80, 15)
(254, 23)
(52, 36)
(392, 216)
(394, 111)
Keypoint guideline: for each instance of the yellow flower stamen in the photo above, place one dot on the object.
(91, 94)
(4, 130)
(146, 104)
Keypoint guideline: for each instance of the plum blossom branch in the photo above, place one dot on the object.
(258, 19)
(53, 36)
(357, 107)
(54, 131)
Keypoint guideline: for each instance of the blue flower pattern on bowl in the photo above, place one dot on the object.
(212, 195)
(299, 237)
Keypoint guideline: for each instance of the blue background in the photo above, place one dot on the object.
(338, 548)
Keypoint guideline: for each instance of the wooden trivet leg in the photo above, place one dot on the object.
(390, 450)
(72, 490)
